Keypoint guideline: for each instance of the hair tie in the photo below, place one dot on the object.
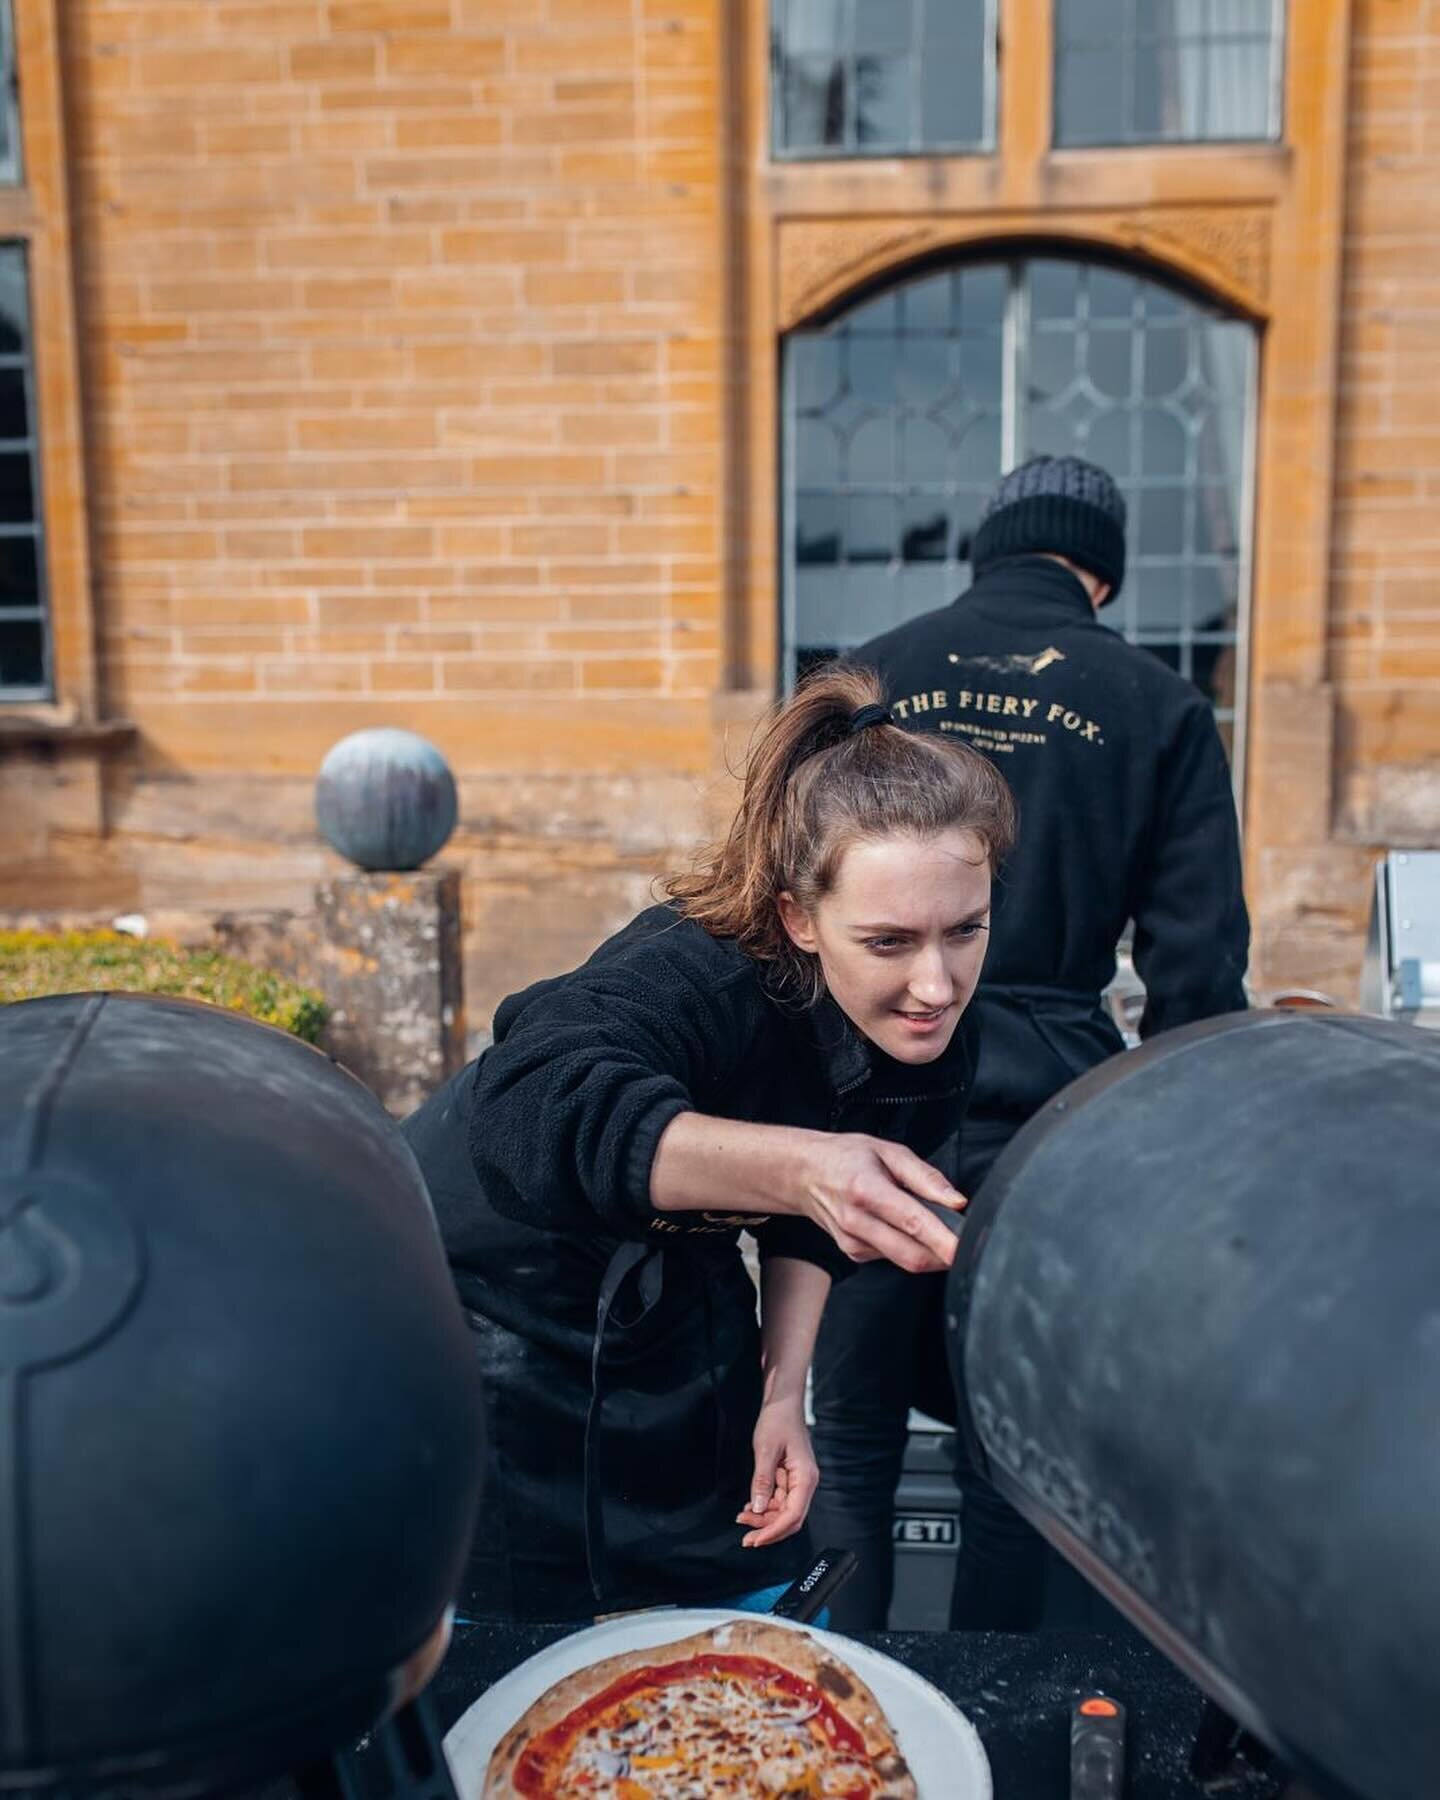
(873, 714)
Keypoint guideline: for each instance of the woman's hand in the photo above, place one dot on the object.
(866, 1193)
(785, 1475)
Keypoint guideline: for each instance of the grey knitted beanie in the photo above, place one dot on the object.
(1059, 504)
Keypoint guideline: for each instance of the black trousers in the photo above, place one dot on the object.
(882, 1350)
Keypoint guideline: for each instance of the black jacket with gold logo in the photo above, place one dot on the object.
(1126, 813)
(619, 1344)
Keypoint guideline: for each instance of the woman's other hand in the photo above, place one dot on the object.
(785, 1475)
(867, 1194)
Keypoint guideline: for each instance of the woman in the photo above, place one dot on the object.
(778, 1049)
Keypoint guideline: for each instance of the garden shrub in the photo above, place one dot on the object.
(33, 963)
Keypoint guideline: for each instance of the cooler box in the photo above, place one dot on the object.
(926, 1532)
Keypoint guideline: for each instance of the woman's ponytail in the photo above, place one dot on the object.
(827, 770)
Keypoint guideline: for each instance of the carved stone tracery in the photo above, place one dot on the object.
(1225, 249)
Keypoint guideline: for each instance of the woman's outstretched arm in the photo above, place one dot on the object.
(865, 1192)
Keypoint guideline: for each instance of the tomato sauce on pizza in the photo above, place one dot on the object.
(720, 1722)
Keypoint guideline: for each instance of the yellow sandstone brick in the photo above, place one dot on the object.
(555, 52)
(603, 640)
(494, 608)
(389, 15)
(572, 469)
(607, 573)
(387, 541)
(346, 363)
(259, 545)
(348, 293)
(393, 99)
(519, 244)
(604, 428)
(339, 641)
(385, 249)
(497, 675)
(362, 132)
(370, 473)
(1408, 663)
(422, 578)
(573, 124)
(461, 541)
(619, 674)
(452, 54)
(241, 609)
(168, 546)
(473, 361)
(202, 642)
(574, 287)
(267, 19)
(347, 58)
(409, 675)
(367, 608)
(446, 130)
(591, 166)
(312, 675)
(217, 293)
(433, 645)
(367, 431)
(215, 678)
(227, 66)
(228, 139)
(579, 15)
(560, 540)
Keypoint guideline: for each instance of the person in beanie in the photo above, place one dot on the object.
(781, 1049)
(1127, 815)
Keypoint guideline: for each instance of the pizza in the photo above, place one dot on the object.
(745, 1711)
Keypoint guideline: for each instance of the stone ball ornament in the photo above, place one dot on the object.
(385, 799)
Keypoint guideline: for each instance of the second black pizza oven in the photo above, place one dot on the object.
(1196, 1321)
(239, 1418)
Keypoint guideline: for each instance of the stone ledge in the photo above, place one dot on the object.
(58, 730)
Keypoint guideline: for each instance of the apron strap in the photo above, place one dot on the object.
(649, 1260)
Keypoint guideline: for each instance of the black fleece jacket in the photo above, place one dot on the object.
(1126, 813)
(619, 1343)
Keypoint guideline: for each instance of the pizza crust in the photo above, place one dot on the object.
(795, 1651)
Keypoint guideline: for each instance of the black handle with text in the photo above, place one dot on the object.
(817, 1586)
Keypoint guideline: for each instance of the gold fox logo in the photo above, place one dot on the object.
(1014, 665)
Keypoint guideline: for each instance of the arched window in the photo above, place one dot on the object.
(901, 414)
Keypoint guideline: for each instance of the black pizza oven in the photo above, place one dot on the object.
(239, 1418)
(1196, 1318)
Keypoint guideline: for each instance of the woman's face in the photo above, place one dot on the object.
(901, 937)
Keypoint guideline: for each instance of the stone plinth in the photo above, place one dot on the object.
(385, 951)
(387, 958)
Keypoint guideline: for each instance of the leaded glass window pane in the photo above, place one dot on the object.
(901, 415)
(882, 77)
(895, 437)
(1167, 71)
(24, 629)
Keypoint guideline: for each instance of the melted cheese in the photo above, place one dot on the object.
(718, 1737)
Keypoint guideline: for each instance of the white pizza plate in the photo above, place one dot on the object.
(940, 1744)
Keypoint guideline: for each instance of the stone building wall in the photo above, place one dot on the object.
(1385, 627)
(402, 352)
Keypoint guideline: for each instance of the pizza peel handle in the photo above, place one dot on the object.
(817, 1587)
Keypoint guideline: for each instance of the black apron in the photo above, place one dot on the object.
(622, 1384)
